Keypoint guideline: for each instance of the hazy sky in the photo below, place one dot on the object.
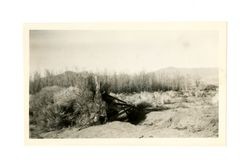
(122, 51)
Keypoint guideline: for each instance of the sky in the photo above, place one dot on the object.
(122, 50)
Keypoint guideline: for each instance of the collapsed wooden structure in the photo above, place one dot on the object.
(120, 110)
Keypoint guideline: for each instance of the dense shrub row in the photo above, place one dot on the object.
(116, 83)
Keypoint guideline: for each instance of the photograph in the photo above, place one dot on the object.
(125, 82)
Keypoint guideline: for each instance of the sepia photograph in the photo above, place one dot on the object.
(126, 81)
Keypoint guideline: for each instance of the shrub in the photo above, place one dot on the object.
(210, 88)
(55, 107)
(40, 106)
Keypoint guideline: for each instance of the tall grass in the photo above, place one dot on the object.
(116, 83)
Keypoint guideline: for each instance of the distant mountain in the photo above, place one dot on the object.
(207, 75)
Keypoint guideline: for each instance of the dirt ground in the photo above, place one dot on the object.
(189, 114)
